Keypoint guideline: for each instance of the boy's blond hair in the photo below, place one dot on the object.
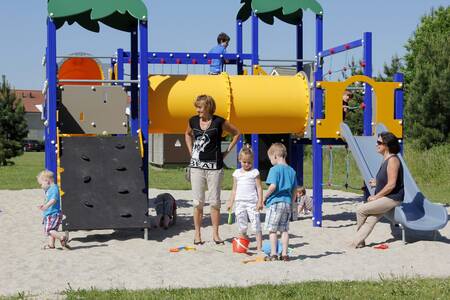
(246, 150)
(277, 149)
(46, 174)
(207, 101)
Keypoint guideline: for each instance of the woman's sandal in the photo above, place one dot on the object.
(284, 257)
(219, 242)
(197, 243)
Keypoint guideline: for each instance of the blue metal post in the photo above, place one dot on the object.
(317, 113)
(367, 43)
(398, 112)
(239, 46)
(134, 69)
(143, 93)
(240, 71)
(45, 109)
(297, 149)
(255, 61)
(120, 64)
(51, 96)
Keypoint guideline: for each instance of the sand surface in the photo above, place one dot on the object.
(123, 259)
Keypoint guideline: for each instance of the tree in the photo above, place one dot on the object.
(395, 66)
(13, 127)
(427, 76)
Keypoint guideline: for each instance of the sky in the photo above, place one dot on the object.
(176, 25)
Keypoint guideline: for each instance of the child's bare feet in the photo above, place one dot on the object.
(48, 247)
(64, 242)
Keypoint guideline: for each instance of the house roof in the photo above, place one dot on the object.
(30, 98)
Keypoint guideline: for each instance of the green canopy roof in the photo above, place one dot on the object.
(119, 14)
(289, 11)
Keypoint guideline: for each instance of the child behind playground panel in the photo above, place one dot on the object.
(247, 194)
(280, 194)
(303, 200)
(51, 210)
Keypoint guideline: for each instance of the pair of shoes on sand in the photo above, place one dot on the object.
(276, 257)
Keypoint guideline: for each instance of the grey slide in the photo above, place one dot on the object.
(417, 216)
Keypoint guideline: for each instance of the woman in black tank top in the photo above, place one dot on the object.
(389, 189)
(203, 138)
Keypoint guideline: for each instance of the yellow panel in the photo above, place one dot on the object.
(255, 104)
(384, 106)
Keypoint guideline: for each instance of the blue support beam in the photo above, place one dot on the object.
(316, 144)
(120, 62)
(342, 48)
(143, 94)
(296, 149)
(50, 149)
(45, 109)
(399, 93)
(367, 63)
(255, 61)
(189, 57)
(239, 46)
(134, 70)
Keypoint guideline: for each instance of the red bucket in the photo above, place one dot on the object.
(240, 245)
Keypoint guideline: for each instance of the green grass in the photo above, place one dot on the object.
(384, 289)
(430, 168)
(22, 173)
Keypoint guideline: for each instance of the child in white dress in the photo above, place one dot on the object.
(248, 195)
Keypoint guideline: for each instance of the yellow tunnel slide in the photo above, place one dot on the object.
(255, 104)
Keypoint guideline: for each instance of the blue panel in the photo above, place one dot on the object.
(368, 89)
(239, 45)
(143, 90)
(316, 145)
(134, 69)
(255, 61)
(399, 77)
(189, 57)
(120, 61)
(299, 31)
(51, 96)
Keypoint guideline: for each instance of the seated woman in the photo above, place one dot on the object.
(389, 190)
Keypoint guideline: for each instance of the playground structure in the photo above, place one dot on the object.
(102, 160)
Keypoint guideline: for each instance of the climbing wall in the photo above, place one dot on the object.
(102, 182)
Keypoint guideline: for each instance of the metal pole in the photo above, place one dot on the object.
(316, 145)
(143, 95)
(239, 46)
(51, 96)
(297, 149)
(45, 107)
(398, 112)
(120, 64)
(134, 69)
(255, 61)
(367, 43)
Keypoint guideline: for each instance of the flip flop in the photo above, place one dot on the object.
(48, 247)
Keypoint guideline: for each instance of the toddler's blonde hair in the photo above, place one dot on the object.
(246, 150)
(277, 149)
(46, 174)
